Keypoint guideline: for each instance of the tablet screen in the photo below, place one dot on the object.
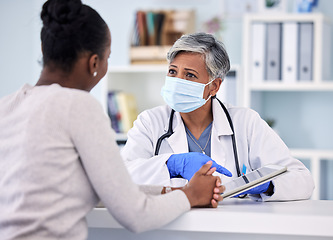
(252, 179)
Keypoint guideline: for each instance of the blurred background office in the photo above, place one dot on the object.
(301, 113)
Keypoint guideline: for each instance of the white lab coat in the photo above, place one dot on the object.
(257, 145)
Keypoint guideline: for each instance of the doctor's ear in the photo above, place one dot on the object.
(215, 86)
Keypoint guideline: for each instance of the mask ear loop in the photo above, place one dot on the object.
(209, 82)
(208, 98)
(209, 94)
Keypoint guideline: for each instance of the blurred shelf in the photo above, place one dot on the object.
(280, 86)
(143, 68)
(312, 153)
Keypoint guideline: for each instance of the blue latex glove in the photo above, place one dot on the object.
(256, 190)
(186, 164)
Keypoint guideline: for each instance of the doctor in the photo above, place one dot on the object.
(195, 126)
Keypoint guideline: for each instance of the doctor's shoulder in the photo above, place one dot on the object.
(244, 115)
(156, 115)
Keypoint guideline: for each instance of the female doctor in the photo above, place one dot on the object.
(176, 139)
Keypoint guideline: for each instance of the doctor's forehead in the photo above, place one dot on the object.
(189, 60)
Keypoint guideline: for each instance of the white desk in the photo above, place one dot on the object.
(233, 219)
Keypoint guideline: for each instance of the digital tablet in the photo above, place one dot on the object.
(252, 179)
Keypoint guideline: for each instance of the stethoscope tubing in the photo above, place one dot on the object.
(233, 138)
(165, 135)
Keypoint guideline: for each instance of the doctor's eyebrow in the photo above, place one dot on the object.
(173, 66)
(190, 69)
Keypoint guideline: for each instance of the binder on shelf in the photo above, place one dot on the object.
(258, 49)
(128, 110)
(305, 51)
(113, 111)
(142, 28)
(289, 52)
(273, 58)
(150, 19)
(122, 110)
(159, 20)
(326, 58)
(154, 30)
(228, 89)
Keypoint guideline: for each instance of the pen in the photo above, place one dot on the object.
(244, 170)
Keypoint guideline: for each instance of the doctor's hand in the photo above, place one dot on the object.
(186, 164)
(256, 190)
(204, 189)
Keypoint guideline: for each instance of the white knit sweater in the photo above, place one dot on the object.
(58, 158)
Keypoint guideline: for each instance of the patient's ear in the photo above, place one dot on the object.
(93, 63)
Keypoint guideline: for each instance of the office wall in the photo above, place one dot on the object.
(20, 44)
(20, 29)
(18, 40)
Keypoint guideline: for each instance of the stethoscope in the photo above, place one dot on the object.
(170, 132)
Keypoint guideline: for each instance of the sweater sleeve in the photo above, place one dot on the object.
(95, 142)
(138, 152)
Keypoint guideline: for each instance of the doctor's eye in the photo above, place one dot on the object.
(172, 72)
(190, 75)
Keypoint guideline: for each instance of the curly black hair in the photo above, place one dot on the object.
(70, 28)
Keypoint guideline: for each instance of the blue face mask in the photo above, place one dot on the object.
(183, 95)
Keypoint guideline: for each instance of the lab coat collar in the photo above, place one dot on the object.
(220, 120)
(178, 140)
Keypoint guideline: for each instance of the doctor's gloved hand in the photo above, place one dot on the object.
(187, 164)
(256, 190)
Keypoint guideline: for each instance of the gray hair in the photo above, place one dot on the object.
(213, 51)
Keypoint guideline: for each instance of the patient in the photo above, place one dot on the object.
(58, 153)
